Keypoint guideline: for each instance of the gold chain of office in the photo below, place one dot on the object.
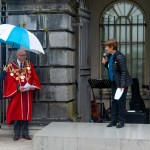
(20, 74)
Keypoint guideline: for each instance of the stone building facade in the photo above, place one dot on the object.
(56, 24)
(71, 33)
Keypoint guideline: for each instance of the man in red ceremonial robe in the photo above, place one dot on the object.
(19, 109)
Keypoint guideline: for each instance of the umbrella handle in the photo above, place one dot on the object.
(9, 55)
(8, 58)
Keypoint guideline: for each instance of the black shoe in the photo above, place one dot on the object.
(16, 138)
(120, 125)
(111, 124)
(27, 137)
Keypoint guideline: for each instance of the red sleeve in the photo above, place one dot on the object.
(35, 79)
(10, 87)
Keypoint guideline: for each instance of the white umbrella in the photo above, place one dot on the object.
(19, 37)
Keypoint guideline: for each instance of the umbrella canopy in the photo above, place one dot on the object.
(18, 37)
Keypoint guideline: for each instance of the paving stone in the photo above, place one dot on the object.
(7, 143)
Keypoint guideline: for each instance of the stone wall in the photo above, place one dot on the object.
(52, 23)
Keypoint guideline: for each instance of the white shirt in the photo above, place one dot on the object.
(19, 63)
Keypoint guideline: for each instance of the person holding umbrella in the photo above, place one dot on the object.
(20, 82)
(21, 78)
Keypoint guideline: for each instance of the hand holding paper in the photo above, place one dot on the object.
(28, 87)
(118, 93)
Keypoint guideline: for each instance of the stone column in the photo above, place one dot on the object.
(52, 22)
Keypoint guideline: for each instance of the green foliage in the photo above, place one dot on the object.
(24, 24)
(45, 29)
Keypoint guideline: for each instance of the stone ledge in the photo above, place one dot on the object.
(38, 8)
(91, 136)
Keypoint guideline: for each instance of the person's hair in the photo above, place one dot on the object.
(112, 43)
(19, 50)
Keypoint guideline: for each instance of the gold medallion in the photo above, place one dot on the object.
(22, 77)
(28, 68)
(17, 78)
(11, 74)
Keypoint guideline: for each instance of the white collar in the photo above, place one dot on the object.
(19, 62)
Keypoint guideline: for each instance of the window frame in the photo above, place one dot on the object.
(130, 23)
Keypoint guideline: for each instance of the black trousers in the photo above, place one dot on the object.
(118, 110)
(21, 127)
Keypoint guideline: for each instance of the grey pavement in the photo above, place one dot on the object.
(6, 138)
(7, 143)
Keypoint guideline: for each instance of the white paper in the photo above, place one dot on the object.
(131, 111)
(118, 94)
(28, 86)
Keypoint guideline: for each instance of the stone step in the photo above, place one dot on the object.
(8, 130)
(92, 136)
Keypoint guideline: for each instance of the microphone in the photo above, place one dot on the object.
(105, 55)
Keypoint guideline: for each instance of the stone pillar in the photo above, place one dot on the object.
(52, 22)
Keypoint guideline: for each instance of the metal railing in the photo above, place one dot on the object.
(3, 109)
(3, 55)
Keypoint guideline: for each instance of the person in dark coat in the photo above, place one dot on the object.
(2, 77)
(119, 76)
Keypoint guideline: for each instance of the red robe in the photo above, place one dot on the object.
(20, 104)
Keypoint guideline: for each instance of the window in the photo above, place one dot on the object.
(125, 22)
